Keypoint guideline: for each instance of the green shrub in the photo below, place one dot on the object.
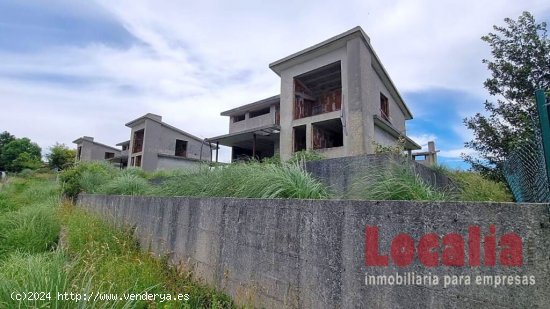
(85, 176)
(474, 187)
(26, 173)
(70, 182)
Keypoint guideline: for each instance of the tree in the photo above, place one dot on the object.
(13, 159)
(25, 161)
(60, 156)
(5, 138)
(520, 65)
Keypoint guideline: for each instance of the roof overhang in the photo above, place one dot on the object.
(388, 128)
(118, 159)
(150, 116)
(311, 52)
(263, 134)
(82, 139)
(252, 106)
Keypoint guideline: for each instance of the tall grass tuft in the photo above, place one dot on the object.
(30, 229)
(304, 156)
(39, 272)
(118, 265)
(126, 184)
(394, 181)
(246, 180)
(92, 257)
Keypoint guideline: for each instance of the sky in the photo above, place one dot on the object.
(70, 68)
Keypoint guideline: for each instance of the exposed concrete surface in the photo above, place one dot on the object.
(341, 173)
(311, 254)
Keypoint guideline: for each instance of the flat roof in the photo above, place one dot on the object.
(279, 65)
(252, 106)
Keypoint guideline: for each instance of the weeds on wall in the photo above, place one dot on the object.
(275, 179)
(248, 180)
(397, 149)
(397, 180)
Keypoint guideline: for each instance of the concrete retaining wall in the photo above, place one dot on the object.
(311, 254)
(340, 173)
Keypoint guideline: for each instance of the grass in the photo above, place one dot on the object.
(116, 261)
(473, 187)
(245, 180)
(126, 184)
(397, 181)
(44, 272)
(86, 255)
(30, 230)
(275, 179)
(394, 181)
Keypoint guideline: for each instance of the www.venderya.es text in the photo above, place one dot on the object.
(98, 296)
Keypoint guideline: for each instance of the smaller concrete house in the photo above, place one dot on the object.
(156, 145)
(89, 150)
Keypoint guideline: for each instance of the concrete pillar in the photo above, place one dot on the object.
(353, 99)
(309, 136)
(286, 114)
(432, 157)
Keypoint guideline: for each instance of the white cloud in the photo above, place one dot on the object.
(455, 153)
(196, 59)
(423, 140)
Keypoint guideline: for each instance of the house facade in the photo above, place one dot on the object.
(155, 145)
(336, 98)
(89, 150)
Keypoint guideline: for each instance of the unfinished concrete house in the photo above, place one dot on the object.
(121, 160)
(89, 150)
(155, 144)
(336, 98)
